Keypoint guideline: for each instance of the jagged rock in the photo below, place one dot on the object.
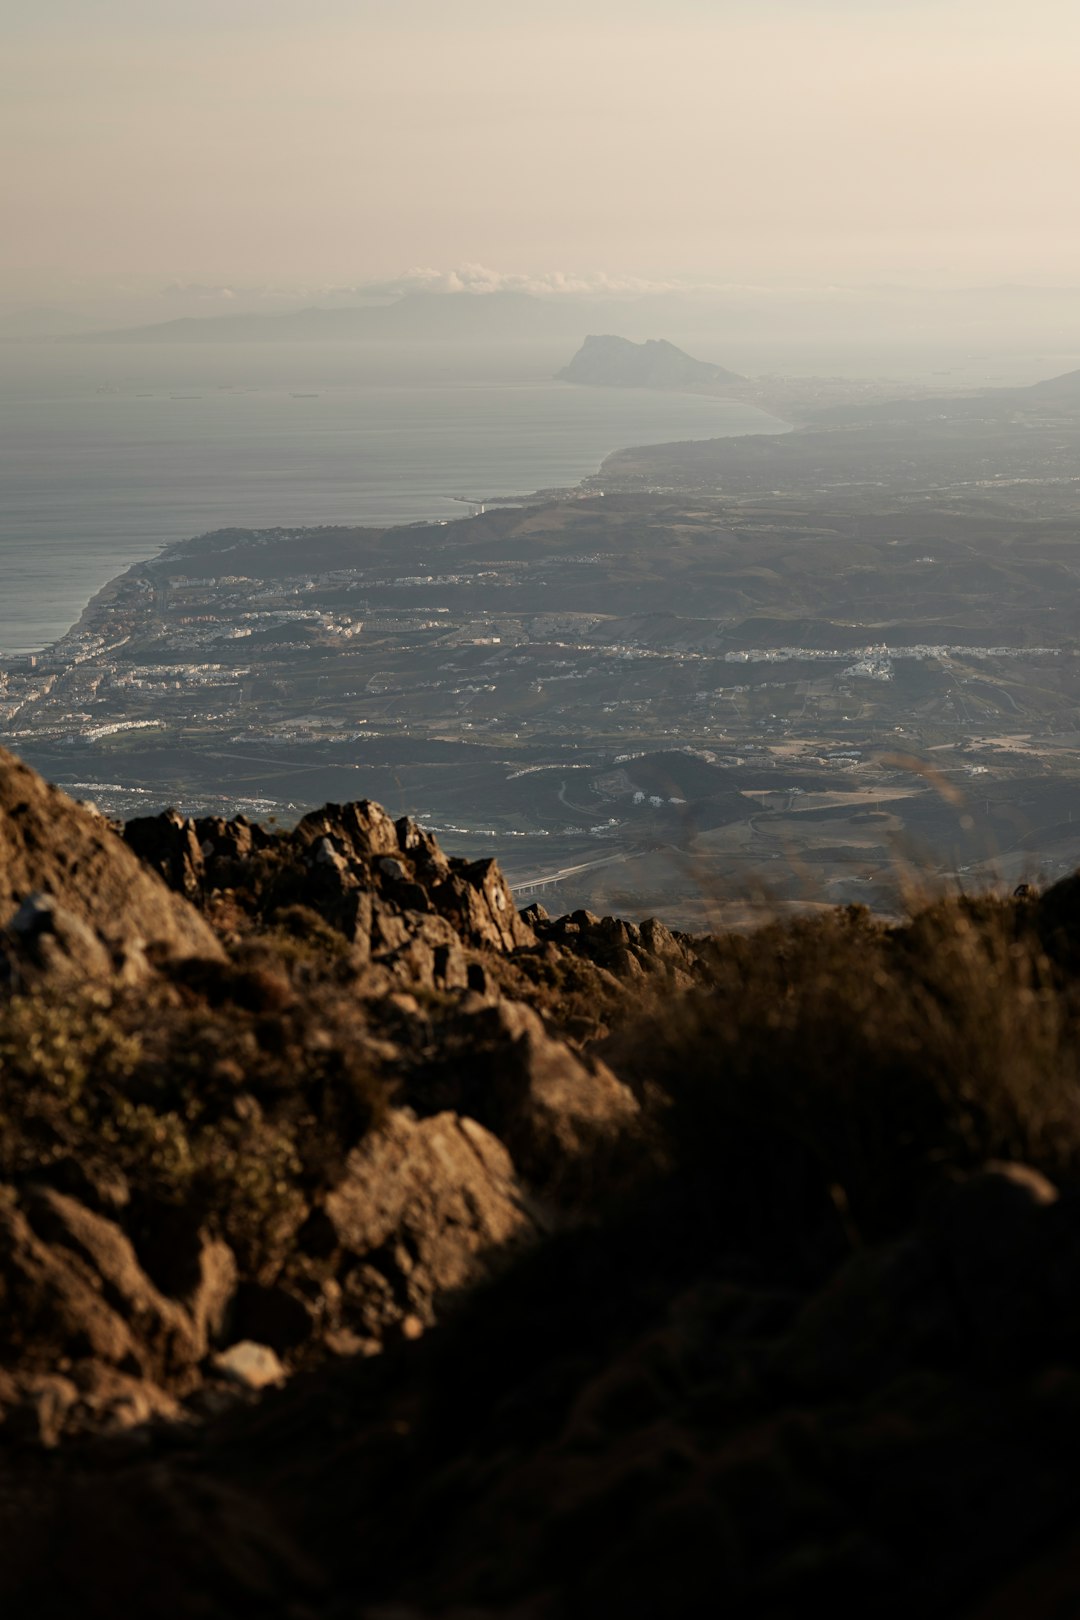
(369, 877)
(620, 947)
(37, 1408)
(110, 1400)
(428, 953)
(363, 828)
(334, 892)
(477, 899)
(82, 1271)
(51, 847)
(171, 845)
(423, 850)
(56, 1309)
(75, 1296)
(357, 914)
(618, 933)
(625, 964)
(233, 840)
(659, 941)
(192, 855)
(427, 1207)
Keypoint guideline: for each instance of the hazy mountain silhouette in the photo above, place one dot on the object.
(616, 362)
(416, 315)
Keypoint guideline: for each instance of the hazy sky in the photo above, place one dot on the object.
(348, 139)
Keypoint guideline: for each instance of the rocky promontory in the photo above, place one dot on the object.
(372, 1247)
(617, 362)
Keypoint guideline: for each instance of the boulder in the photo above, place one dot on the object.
(77, 1300)
(555, 1112)
(427, 1207)
(47, 943)
(658, 940)
(62, 855)
(252, 1366)
(79, 1271)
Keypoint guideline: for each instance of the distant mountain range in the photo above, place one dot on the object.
(421, 315)
(1064, 388)
(971, 334)
(606, 360)
(616, 362)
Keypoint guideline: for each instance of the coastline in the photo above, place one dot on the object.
(100, 601)
(99, 478)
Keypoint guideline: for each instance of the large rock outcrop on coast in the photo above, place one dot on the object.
(371, 1248)
(617, 362)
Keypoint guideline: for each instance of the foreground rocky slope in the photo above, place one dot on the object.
(370, 1248)
(218, 1167)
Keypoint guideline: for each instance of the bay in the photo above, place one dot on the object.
(109, 453)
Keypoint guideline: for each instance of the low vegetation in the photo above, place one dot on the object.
(741, 1264)
(834, 1070)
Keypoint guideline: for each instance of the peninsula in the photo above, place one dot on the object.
(800, 666)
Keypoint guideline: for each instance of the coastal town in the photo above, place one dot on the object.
(543, 679)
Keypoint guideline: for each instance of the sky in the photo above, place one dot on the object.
(342, 142)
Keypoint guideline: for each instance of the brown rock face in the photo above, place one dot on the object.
(355, 850)
(427, 1207)
(170, 845)
(105, 905)
(775, 1311)
(554, 1112)
(646, 953)
(566, 1120)
(76, 1297)
(478, 899)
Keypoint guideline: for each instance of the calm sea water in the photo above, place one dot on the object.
(107, 453)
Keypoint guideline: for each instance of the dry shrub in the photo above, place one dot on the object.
(836, 1068)
(232, 1110)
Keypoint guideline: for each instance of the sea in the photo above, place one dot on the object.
(110, 452)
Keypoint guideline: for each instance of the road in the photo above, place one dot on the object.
(546, 880)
